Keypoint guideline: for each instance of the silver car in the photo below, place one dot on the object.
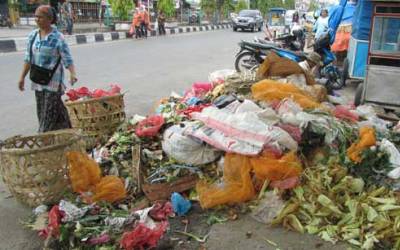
(248, 20)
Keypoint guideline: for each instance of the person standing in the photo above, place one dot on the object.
(68, 16)
(136, 21)
(321, 25)
(46, 56)
(144, 21)
(161, 23)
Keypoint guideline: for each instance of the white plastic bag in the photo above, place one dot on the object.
(187, 149)
(219, 76)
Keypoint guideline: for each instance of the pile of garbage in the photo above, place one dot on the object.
(270, 140)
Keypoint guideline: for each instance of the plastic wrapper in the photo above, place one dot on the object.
(117, 223)
(268, 208)
(366, 140)
(237, 185)
(54, 223)
(110, 188)
(143, 237)
(345, 113)
(150, 126)
(269, 90)
(161, 211)
(187, 149)
(226, 130)
(268, 167)
(219, 76)
(180, 205)
(84, 172)
(394, 157)
(72, 212)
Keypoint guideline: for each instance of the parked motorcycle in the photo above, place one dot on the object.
(252, 54)
(5, 21)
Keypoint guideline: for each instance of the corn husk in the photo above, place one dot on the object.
(337, 206)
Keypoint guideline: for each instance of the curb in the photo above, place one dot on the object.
(19, 44)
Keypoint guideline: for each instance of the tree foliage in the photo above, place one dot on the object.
(121, 8)
(208, 7)
(167, 6)
(241, 5)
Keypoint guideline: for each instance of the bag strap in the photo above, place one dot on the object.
(30, 48)
(31, 58)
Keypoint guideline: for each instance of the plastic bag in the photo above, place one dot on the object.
(268, 167)
(219, 76)
(75, 94)
(143, 237)
(110, 188)
(181, 205)
(269, 90)
(344, 113)
(187, 149)
(161, 211)
(237, 185)
(84, 172)
(54, 222)
(366, 140)
(150, 126)
(268, 208)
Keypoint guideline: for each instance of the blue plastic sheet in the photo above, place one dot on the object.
(335, 18)
(180, 205)
(362, 20)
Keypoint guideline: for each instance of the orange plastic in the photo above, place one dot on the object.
(85, 175)
(237, 186)
(110, 188)
(269, 167)
(84, 172)
(270, 90)
(367, 139)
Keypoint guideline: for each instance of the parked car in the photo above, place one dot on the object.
(248, 19)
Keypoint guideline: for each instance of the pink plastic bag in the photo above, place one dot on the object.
(344, 113)
(150, 126)
(201, 88)
(143, 237)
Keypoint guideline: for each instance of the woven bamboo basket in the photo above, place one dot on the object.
(35, 167)
(159, 191)
(97, 118)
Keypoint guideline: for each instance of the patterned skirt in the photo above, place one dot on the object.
(51, 111)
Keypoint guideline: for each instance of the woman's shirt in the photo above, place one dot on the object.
(45, 53)
(321, 26)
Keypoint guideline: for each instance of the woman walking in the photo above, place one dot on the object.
(46, 56)
(161, 23)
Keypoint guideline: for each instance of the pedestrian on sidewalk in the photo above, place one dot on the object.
(161, 23)
(136, 21)
(144, 21)
(68, 16)
(46, 56)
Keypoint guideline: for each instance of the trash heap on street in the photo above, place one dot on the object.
(269, 140)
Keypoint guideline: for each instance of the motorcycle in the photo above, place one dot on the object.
(252, 54)
(5, 21)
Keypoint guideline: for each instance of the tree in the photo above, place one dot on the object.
(263, 6)
(313, 5)
(208, 7)
(241, 5)
(167, 6)
(121, 8)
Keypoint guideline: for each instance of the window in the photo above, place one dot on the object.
(386, 36)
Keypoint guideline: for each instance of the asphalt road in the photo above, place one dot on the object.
(147, 70)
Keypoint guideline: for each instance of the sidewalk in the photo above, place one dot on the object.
(15, 39)
(23, 30)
